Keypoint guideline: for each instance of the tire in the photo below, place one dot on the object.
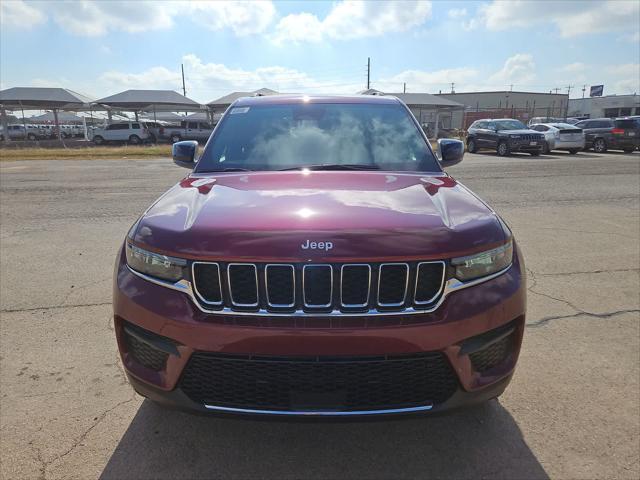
(175, 138)
(98, 140)
(534, 154)
(545, 148)
(573, 151)
(471, 146)
(503, 149)
(628, 150)
(599, 145)
(31, 137)
(134, 140)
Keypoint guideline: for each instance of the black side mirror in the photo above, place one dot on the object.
(451, 151)
(184, 153)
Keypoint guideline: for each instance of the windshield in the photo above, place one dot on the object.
(279, 137)
(510, 125)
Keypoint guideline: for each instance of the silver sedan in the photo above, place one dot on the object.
(560, 136)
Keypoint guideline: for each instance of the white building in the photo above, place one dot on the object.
(610, 106)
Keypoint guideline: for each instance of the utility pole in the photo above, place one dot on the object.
(368, 73)
(584, 87)
(569, 87)
(511, 88)
(452, 87)
(556, 89)
(404, 88)
(184, 90)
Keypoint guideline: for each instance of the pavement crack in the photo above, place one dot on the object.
(586, 272)
(543, 321)
(54, 307)
(84, 435)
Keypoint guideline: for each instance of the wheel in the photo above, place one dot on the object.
(534, 154)
(31, 137)
(134, 139)
(471, 146)
(98, 140)
(599, 145)
(175, 138)
(573, 151)
(628, 150)
(503, 149)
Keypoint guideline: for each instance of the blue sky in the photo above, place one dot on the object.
(101, 48)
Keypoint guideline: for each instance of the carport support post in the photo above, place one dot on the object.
(55, 118)
(136, 113)
(24, 121)
(5, 124)
(435, 129)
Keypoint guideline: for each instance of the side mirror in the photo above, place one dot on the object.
(451, 151)
(184, 153)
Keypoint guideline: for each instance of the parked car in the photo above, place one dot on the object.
(505, 136)
(560, 136)
(318, 261)
(19, 132)
(602, 134)
(189, 130)
(131, 132)
(537, 120)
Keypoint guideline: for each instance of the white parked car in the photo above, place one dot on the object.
(560, 136)
(130, 132)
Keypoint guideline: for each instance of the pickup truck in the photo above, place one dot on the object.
(188, 130)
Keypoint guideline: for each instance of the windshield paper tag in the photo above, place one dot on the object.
(239, 110)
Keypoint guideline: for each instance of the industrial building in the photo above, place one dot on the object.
(610, 106)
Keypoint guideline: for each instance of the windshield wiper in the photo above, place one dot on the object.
(230, 169)
(333, 166)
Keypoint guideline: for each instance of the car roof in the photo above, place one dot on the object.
(299, 98)
(496, 119)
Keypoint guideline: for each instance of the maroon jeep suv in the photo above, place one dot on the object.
(318, 261)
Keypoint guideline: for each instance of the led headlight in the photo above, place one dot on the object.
(154, 264)
(483, 264)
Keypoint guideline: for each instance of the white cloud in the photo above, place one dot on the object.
(625, 78)
(18, 14)
(353, 19)
(576, 67)
(96, 18)
(422, 81)
(518, 69)
(457, 13)
(570, 17)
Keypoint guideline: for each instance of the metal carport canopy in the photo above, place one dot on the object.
(160, 100)
(42, 98)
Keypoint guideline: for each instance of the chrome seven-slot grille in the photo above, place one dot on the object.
(346, 287)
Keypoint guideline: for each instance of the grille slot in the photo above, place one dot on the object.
(243, 284)
(429, 282)
(308, 383)
(393, 279)
(318, 285)
(355, 283)
(209, 286)
(280, 283)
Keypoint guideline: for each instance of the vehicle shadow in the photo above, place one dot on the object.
(480, 442)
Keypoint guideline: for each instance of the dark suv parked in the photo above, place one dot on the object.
(604, 134)
(505, 135)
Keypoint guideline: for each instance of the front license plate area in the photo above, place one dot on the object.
(533, 144)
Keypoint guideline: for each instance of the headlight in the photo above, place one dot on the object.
(515, 136)
(154, 264)
(483, 264)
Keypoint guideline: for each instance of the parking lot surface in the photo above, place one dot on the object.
(572, 410)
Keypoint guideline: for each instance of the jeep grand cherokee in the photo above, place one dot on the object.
(318, 261)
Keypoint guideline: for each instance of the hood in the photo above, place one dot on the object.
(347, 215)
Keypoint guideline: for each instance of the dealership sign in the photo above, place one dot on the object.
(596, 90)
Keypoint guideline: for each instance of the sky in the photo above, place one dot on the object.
(104, 47)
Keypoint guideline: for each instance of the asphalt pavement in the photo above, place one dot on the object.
(572, 410)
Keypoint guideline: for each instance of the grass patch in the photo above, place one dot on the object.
(85, 153)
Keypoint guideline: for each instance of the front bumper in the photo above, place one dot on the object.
(526, 146)
(455, 330)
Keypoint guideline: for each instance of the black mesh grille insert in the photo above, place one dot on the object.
(145, 354)
(317, 285)
(243, 284)
(428, 281)
(493, 355)
(208, 284)
(355, 281)
(280, 285)
(308, 383)
(392, 284)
